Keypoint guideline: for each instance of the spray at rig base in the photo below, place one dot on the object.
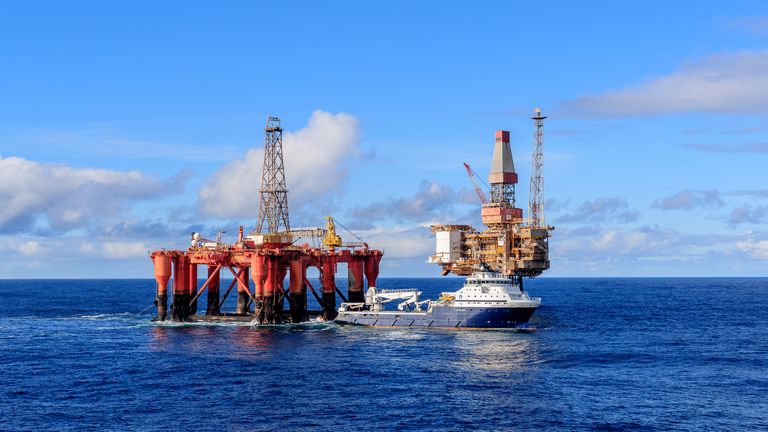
(495, 260)
(267, 255)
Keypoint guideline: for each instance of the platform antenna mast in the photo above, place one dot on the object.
(273, 199)
(535, 198)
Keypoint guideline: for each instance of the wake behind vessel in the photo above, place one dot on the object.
(495, 261)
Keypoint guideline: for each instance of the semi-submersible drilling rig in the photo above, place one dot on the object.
(510, 245)
(269, 254)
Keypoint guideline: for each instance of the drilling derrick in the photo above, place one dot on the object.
(508, 245)
(535, 199)
(501, 211)
(273, 198)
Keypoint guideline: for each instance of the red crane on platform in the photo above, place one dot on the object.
(476, 182)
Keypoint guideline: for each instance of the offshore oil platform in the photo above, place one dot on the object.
(511, 245)
(496, 260)
(268, 254)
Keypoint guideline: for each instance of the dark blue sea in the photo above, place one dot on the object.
(607, 354)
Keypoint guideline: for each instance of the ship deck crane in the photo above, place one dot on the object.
(410, 299)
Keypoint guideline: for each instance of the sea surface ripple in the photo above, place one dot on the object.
(608, 354)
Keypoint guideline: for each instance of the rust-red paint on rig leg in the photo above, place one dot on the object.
(213, 290)
(242, 291)
(328, 270)
(259, 275)
(162, 263)
(192, 287)
(180, 307)
(298, 290)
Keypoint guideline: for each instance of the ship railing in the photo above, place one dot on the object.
(352, 306)
(396, 291)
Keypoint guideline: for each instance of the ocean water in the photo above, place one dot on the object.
(607, 354)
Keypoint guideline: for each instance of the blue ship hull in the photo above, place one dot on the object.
(443, 316)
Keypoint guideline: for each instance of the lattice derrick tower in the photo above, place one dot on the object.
(536, 198)
(273, 198)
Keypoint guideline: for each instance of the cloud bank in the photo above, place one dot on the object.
(746, 147)
(600, 210)
(432, 201)
(63, 198)
(686, 200)
(748, 215)
(721, 83)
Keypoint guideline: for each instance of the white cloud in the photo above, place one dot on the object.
(315, 164)
(724, 83)
(431, 201)
(66, 197)
(120, 250)
(601, 209)
(655, 250)
(730, 147)
(28, 248)
(75, 255)
(591, 243)
(686, 200)
(755, 249)
(400, 243)
(748, 214)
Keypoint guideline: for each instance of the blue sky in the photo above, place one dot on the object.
(124, 126)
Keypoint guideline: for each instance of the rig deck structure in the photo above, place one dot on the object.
(268, 264)
(265, 256)
(511, 244)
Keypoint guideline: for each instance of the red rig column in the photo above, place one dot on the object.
(268, 310)
(213, 291)
(162, 264)
(328, 263)
(355, 267)
(280, 292)
(298, 291)
(372, 269)
(242, 292)
(192, 287)
(180, 310)
(259, 274)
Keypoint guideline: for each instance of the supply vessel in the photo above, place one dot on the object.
(488, 299)
(495, 261)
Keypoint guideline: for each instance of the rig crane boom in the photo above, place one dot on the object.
(476, 183)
